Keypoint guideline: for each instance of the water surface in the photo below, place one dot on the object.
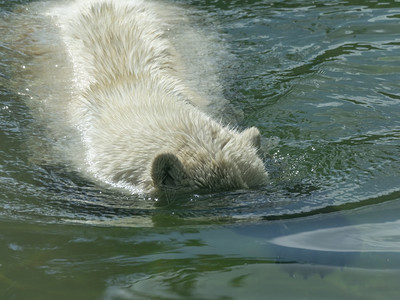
(321, 82)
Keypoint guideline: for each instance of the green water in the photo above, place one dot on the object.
(321, 80)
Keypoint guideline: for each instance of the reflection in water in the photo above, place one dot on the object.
(375, 237)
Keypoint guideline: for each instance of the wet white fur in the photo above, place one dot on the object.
(140, 124)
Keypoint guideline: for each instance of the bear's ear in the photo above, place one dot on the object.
(166, 171)
(253, 136)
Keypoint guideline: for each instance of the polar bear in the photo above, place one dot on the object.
(139, 122)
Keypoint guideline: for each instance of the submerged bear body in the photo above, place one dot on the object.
(139, 122)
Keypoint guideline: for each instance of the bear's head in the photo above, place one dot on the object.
(225, 162)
